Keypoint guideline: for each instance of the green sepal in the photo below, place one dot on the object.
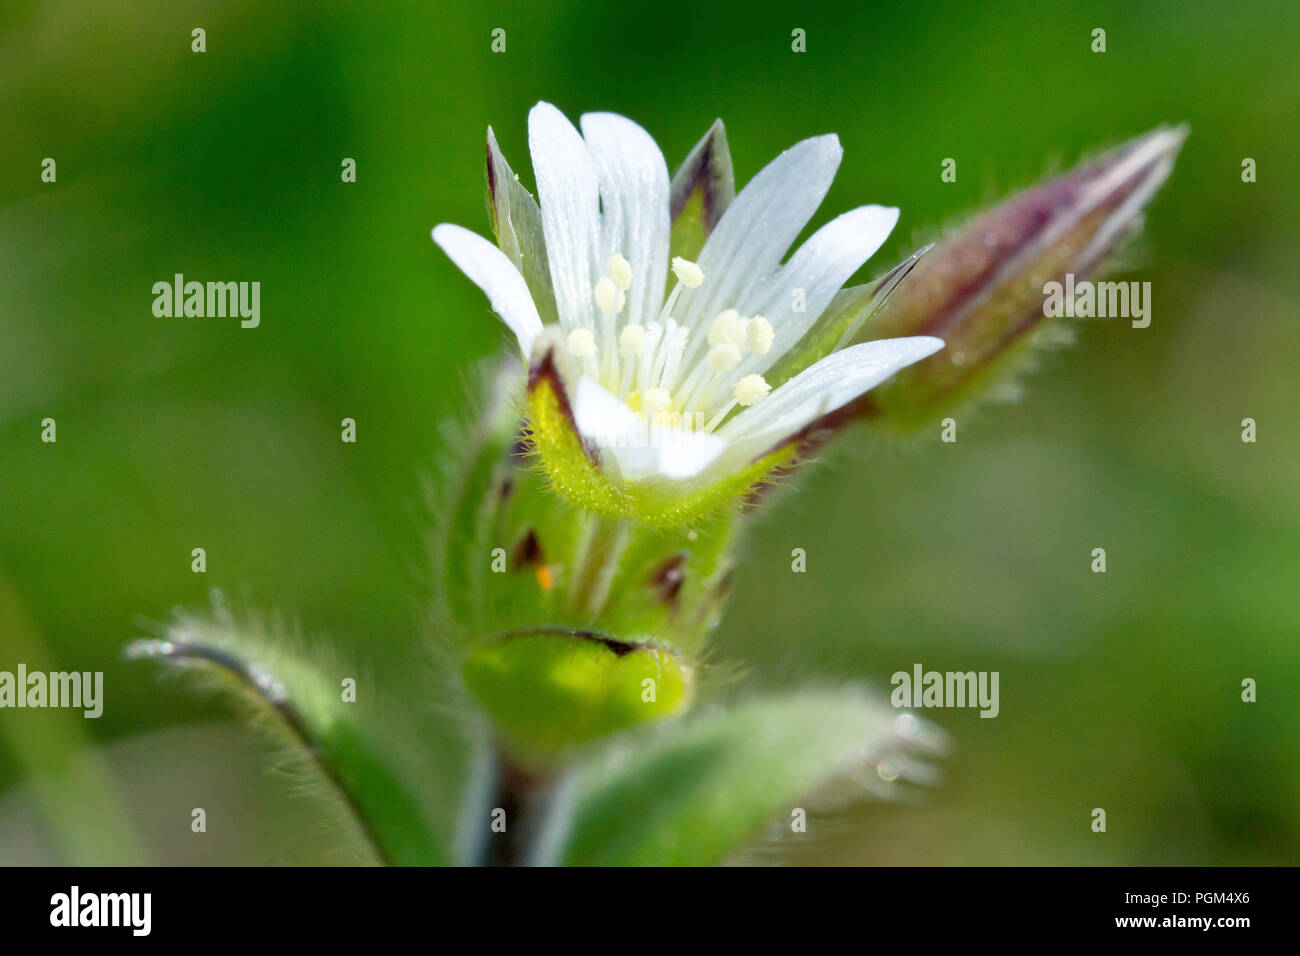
(510, 555)
(517, 223)
(571, 466)
(702, 188)
(842, 322)
(508, 552)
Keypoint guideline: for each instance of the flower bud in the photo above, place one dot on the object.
(982, 290)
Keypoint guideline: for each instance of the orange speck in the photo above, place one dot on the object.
(545, 578)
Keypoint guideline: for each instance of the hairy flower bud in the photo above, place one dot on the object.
(982, 290)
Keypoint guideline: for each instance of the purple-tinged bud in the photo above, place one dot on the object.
(983, 289)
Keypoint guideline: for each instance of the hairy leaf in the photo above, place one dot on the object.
(353, 747)
(697, 790)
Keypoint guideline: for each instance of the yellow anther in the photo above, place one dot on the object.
(750, 389)
(761, 335)
(606, 294)
(582, 343)
(631, 341)
(729, 328)
(688, 273)
(723, 357)
(620, 270)
(655, 399)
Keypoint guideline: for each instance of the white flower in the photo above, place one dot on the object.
(665, 364)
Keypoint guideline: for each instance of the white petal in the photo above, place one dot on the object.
(618, 432)
(566, 187)
(633, 181)
(819, 269)
(622, 435)
(492, 271)
(758, 227)
(684, 453)
(604, 419)
(823, 387)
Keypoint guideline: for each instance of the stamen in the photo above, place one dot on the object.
(631, 341)
(751, 389)
(694, 387)
(652, 354)
(728, 328)
(611, 296)
(723, 357)
(606, 294)
(582, 343)
(654, 334)
(654, 401)
(669, 360)
(689, 276)
(716, 420)
(620, 270)
(688, 273)
(761, 335)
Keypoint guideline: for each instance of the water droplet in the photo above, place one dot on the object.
(905, 725)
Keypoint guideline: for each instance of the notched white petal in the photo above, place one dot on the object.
(569, 195)
(633, 182)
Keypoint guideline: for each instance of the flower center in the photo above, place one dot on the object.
(643, 364)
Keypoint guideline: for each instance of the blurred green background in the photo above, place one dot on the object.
(1119, 691)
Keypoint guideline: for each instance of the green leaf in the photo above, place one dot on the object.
(350, 747)
(697, 790)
